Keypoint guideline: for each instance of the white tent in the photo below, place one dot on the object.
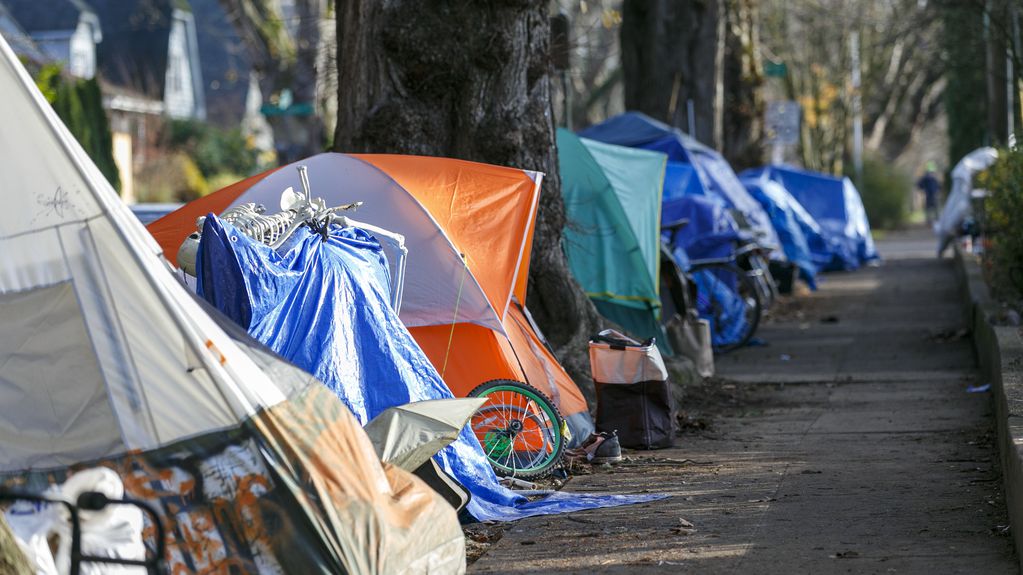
(106, 359)
(957, 207)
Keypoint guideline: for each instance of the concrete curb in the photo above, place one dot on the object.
(999, 352)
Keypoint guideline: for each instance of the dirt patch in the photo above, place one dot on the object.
(479, 537)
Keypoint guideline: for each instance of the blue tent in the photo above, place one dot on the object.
(682, 180)
(836, 206)
(799, 233)
(715, 176)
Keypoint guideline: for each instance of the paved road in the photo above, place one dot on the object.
(847, 445)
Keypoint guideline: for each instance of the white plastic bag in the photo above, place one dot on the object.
(115, 531)
(691, 338)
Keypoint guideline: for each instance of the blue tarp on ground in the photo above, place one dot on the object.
(836, 206)
(324, 306)
(799, 234)
(715, 176)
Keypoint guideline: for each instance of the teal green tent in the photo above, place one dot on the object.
(613, 203)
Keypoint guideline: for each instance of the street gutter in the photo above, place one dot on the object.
(999, 352)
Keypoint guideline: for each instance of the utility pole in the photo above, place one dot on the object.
(857, 106)
(1012, 81)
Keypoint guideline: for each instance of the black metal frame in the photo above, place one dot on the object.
(96, 501)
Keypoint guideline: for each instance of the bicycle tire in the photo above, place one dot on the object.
(750, 295)
(520, 429)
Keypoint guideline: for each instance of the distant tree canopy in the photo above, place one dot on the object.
(79, 104)
(901, 67)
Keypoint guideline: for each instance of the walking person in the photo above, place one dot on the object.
(929, 184)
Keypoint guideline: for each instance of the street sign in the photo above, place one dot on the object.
(775, 69)
(298, 109)
(781, 122)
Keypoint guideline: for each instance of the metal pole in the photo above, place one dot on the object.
(989, 67)
(1015, 53)
(1010, 100)
(777, 153)
(857, 105)
(566, 99)
(691, 118)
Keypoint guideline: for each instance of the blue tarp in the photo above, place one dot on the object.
(711, 233)
(836, 206)
(682, 180)
(324, 306)
(716, 177)
(799, 233)
(730, 321)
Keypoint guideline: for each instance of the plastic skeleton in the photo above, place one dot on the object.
(299, 210)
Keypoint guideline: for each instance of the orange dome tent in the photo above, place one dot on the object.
(468, 228)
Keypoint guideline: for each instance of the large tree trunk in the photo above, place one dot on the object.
(742, 137)
(672, 54)
(467, 80)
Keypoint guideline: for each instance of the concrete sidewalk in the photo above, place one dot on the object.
(851, 446)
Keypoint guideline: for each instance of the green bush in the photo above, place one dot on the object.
(170, 178)
(80, 106)
(1002, 223)
(213, 149)
(885, 191)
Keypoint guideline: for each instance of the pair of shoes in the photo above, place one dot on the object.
(598, 448)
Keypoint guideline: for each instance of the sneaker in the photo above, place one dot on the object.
(598, 448)
(607, 451)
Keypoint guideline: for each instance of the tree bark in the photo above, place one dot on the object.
(742, 136)
(672, 54)
(468, 80)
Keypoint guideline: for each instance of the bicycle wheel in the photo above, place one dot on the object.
(520, 429)
(729, 299)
